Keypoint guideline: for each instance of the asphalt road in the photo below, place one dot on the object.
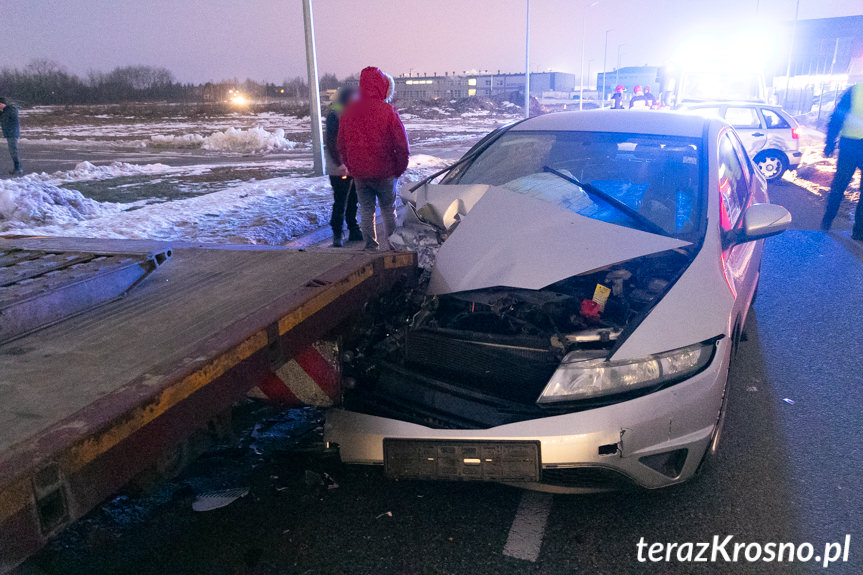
(787, 471)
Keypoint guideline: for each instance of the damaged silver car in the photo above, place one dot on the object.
(576, 329)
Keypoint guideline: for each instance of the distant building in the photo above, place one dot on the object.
(410, 88)
(827, 57)
(628, 77)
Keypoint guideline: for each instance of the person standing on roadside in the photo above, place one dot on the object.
(846, 123)
(651, 99)
(638, 101)
(11, 131)
(373, 146)
(617, 98)
(344, 191)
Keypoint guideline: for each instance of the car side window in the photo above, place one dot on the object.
(773, 120)
(732, 184)
(742, 118)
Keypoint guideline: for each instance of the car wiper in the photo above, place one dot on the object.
(592, 190)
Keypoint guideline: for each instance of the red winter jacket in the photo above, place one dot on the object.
(372, 140)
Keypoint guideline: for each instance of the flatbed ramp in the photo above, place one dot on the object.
(91, 401)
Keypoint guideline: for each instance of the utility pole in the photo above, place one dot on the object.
(527, 63)
(583, 47)
(604, 68)
(314, 91)
(790, 53)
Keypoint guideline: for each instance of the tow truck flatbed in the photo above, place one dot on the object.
(91, 401)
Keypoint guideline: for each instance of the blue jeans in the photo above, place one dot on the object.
(13, 151)
(368, 192)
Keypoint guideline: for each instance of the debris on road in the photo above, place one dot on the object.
(387, 514)
(788, 401)
(211, 500)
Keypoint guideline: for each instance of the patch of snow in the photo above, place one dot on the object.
(29, 203)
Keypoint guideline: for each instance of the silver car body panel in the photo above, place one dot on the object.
(524, 253)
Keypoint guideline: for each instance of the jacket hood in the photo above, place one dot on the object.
(376, 85)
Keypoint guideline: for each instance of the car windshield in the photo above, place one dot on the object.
(646, 182)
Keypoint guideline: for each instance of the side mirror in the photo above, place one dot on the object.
(759, 221)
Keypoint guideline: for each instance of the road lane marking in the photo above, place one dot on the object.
(528, 527)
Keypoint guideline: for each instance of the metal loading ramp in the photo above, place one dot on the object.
(90, 401)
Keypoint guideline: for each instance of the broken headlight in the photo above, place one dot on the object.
(577, 378)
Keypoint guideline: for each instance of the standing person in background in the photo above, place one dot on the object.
(651, 99)
(373, 145)
(11, 131)
(846, 123)
(638, 101)
(617, 98)
(344, 191)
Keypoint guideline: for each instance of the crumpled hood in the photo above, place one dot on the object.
(515, 240)
(374, 84)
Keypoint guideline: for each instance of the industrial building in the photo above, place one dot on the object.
(451, 86)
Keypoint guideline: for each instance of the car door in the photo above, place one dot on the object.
(779, 132)
(749, 125)
(735, 181)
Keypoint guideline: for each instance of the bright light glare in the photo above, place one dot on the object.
(742, 50)
(239, 100)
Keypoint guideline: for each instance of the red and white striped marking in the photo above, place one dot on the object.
(310, 378)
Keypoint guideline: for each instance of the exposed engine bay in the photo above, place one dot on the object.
(481, 358)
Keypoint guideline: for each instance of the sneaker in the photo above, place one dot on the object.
(17, 172)
(355, 236)
(371, 246)
(337, 242)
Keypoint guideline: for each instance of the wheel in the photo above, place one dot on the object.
(772, 164)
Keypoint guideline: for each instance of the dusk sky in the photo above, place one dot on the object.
(201, 40)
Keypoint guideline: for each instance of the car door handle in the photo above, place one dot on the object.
(757, 135)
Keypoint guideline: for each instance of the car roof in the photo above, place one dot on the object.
(653, 122)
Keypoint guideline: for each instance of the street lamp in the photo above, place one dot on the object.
(314, 91)
(583, 35)
(527, 63)
(604, 67)
(617, 70)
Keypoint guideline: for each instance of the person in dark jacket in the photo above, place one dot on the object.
(344, 192)
(846, 124)
(373, 146)
(617, 98)
(651, 99)
(11, 131)
(639, 100)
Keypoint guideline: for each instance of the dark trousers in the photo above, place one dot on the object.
(13, 151)
(850, 160)
(344, 205)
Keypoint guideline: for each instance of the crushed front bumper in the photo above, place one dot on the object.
(585, 451)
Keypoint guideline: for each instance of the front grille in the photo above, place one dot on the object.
(505, 369)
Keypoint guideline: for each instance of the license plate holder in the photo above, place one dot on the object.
(446, 460)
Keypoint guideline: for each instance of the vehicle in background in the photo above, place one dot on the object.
(769, 133)
(580, 320)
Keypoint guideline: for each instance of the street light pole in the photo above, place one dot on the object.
(790, 53)
(604, 67)
(314, 91)
(617, 70)
(527, 63)
(583, 48)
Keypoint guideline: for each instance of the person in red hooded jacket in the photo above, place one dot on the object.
(373, 146)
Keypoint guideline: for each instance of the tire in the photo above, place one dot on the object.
(772, 164)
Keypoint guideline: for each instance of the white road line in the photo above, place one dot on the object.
(528, 527)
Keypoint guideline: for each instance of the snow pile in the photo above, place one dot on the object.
(251, 140)
(268, 212)
(181, 142)
(231, 140)
(271, 211)
(28, 203)
(85, 171)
